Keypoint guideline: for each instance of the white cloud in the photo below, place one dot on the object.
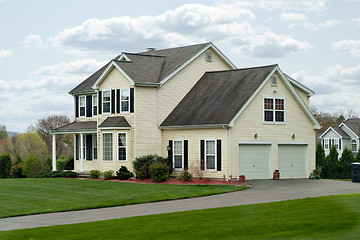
(350, 46)
(315, 26)
(32, 41)
(187, 24)
(293, 17)
(5, 54)
(283, 5)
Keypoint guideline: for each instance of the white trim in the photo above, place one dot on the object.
(103, 102)
(210, 45)
(114, 128)
(123, 55)
(274, 110)
(195, 126)
(343, 124)
(93, 148)
(215, 154)
(182, 154)
(121, 111)
(302, 87)
(126, 147)
(73, 132)
(102, 146)
(327, 130)
(93, 105)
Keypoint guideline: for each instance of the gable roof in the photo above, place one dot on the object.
(149, 68)
(353, 124)
(217, 97)
(337, 130)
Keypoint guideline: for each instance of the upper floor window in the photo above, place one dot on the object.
(326, 144)
(274, 110)
(354, 147)
(125, 100)
(106, 102)
(82, 106)
(94, 105)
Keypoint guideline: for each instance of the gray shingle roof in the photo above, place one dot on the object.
(354, 125)
(217, 97)
(77, 127)
(146, 67)
(340, 132)
(115, 122)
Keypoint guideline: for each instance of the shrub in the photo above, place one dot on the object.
(33, 166)
(108, 174)
(17, 170)
(124, 173)
(57, 174)
(159, 171)
(331, 166)
(70, 164)
(185, 175)
(142, 165)
(346, 159)
(5, 165)
(61, 163)
(95, 174)
(320, 156)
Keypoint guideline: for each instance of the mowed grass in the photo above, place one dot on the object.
(40, 195)
(331, 217)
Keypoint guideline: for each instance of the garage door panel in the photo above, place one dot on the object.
(254, 160)
(292, 159)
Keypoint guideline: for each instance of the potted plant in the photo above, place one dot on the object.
(316, 173)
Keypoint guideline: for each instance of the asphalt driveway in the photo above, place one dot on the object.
(262, 191)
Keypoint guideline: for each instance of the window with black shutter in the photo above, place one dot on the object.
(89, 106)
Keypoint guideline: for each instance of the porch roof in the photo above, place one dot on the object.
(76, 127)
(115, 123)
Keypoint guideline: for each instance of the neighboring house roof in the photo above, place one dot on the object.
(115, 123)
(337, 130)
(149, 68)
(76, 127)
(219, 97)
(353, 124)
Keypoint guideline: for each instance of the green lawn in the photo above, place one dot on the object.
(332, 217)
(41, 195)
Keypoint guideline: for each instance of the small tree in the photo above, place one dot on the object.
(33, 166)
(320, 156)
(346, 159)
(331, 166)
(5, 165)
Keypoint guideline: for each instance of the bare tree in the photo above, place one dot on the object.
(64, 143)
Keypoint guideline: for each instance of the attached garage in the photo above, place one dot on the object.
(292, 160)
(254, 161)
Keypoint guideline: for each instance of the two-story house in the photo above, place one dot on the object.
(192, 105)
(346, 135)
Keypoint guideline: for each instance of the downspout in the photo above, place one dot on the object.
(227, 151)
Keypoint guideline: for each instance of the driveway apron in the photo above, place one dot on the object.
(262, 191)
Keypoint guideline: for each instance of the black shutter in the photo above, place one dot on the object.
(131, 100)
(118, 100)
(99, 105)
(170, 160)
(77, 106)
(77, 146)
(340, 144)
(186, 154)
(202, 154)
(88, 147)
(218, 154)
(89, 106)
(113, 101)
(323, 143)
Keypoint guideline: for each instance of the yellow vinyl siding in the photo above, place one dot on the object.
(171, 92)
(303, 95)
(250, 122)
(194, 136)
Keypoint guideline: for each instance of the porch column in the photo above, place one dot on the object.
(54, 153)
(81, 153)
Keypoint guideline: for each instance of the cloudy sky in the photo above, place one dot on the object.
(47, 47)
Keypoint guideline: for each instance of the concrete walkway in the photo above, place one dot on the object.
(262, 191)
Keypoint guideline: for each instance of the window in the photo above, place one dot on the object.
(274, 81)
(106, 101)
(208, 57)
(95, 103)
(178, 154)
(122, 147)
(354, 147)
(210, 154)
(82, 106)
(107, 146)
(336, 143)
(125, 100)
(326, 144)
(274, 110)
(94, 146)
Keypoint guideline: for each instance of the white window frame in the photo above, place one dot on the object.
(182, 154)
(215, 154)
(112, 147)
(121, 100)
(94, 104)
(94, 146)
(103, 102)
(274, 110)
(336, 143)
(84, 97)
(118, 147)
(326, 144)
(354, 144)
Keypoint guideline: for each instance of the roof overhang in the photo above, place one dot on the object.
(307, 90)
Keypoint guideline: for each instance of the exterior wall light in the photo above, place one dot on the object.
(293, 136)
(168, 148)
(255, 135)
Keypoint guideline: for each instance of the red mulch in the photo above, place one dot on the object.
(194, 181)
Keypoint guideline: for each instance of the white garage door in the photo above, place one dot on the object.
(292, 159)
(254, 161)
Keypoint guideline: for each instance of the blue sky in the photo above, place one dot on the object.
(48, 47)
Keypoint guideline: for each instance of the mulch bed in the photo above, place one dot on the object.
(194, 181)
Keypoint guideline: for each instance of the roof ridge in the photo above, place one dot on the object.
(238, 69)
(185, 46)
(144, 54)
